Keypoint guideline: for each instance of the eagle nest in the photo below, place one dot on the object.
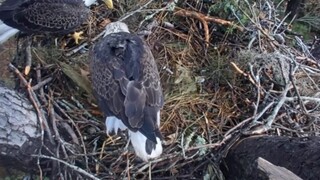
(227, 70)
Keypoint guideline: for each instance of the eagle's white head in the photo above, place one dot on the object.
(109, 3)
(116, 27)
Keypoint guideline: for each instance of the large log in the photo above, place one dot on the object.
(23, 147)
(298, 155)
(19, 131)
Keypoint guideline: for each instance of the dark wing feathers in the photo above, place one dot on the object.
(134, 103)
(127, 84)
(52, 16)
(132, 58)
(149, 128)
(152, 87)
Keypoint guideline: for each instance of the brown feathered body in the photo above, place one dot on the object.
(127, 86)
(44, 16)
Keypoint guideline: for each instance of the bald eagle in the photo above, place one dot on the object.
(126, 84)
(42, 16)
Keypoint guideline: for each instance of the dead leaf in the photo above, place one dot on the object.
(77, 77)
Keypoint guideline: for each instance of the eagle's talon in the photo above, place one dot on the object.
(77, 36)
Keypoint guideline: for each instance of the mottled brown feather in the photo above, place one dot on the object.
(44, 16)
(126, 82)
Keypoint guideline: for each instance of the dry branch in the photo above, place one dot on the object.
(272, 172)
(204, 20)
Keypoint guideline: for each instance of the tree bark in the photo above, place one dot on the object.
(22, 146)
(298, 155)
(19, 131)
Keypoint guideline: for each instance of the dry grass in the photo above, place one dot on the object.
(219, 82)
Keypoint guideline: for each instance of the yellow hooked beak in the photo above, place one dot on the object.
(109, 3)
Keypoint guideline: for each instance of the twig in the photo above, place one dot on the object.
(146, 165)
(135, 11)
(237, 126)
(258, 86)
(75, 168)
(52, 113)
(69, 130)
(53, 121)
(271, 118)
(39, 80)
(38, 164)
(202, 17)
(304, 47)
(149, 172)
(41, 84)
(77, 129)
(257, 116)
(28, 55)
(242, 72)
(33, 97)
(306, 98)
(128, 169)
(97, 168)
(213, 145)
(204, 20)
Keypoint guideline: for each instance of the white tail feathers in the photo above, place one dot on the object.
(138, 142)
(6, 32)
